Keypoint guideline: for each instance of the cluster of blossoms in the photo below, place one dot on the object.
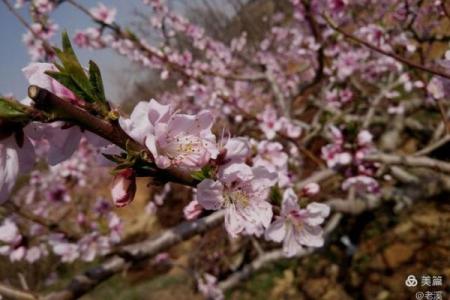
(33, 242)
(16, 246)
(348, 156)
(91, 37)
(38, 38)
(186, 143)
(103, 228)
(271, 124)
(217, 83)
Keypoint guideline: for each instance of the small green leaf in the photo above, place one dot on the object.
(12, 110)
(67, 46)
(70, 66)
(95, 77)
(67, 81)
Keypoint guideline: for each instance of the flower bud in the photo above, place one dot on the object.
(310, 189)
(124, 187)
(364, 138)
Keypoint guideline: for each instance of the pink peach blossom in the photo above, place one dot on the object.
(175, 140)
(242, 191)
(298, 227)
(103, 14)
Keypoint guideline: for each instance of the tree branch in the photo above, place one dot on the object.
(410, 161)
(111, 131)
(13, 293)
(135, 253)
(395, 56)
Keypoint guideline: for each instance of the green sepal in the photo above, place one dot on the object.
(204, 173)
(275, 195)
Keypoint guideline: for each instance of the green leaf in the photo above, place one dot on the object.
(95, 77)
(205, 172)
(67, 81)
(12, 110)
(70, 66)
(67, 46)
(86, 85)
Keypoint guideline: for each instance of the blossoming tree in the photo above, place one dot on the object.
(279, 138)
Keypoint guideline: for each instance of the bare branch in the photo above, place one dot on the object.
(410, 161)
(13, 293)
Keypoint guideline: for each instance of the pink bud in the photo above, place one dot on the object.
(192, 210)
(364, 138)
(124, 187)
(311, 189)
(343, 158)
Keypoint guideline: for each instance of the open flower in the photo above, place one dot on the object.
(103, 14)
(298, 227)
(269, 122)
(273, 158)
(175, 140)
(242, 191)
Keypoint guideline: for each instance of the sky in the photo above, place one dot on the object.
(13, 54)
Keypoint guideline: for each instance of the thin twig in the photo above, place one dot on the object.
(50, 225)
(395, 56)
(13, 293)
(433, 146)
(376, 102)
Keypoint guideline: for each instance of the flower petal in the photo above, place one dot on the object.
(210, 194)
(276, 231)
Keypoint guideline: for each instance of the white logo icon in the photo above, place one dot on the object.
(411, 281)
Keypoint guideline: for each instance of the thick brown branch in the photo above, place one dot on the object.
(64, 110)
